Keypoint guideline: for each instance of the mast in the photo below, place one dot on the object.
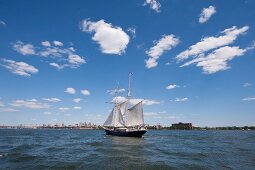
(129, 85)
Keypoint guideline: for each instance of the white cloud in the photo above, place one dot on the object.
(206, 14)
(70, 90)
(209, 43)
(132, 31)
(2, 104)
(77, 108)
(150, 113)
(63, 109)
(247, 84)
(52, 99)
(151, 62)
(150, 102)
(154, 5)
(56, 65)
(77, 100)
(47, 113)
(112, 92)
(249, 98)
(76, 60)
(217, 60)
(118, 99)
(2, 23)
(58, 43)
(146, 102)
(167, 42)
(64, 55)
(181, 99)
(85, 92)
(112, 39)
(20, 68)
(3, 110)
(31, 104)
(46, 43)
(172, 86)
(24, 49)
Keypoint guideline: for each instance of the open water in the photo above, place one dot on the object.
(91, 149)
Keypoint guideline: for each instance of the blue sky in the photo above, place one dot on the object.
(191, 61)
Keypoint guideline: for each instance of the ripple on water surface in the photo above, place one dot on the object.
(91, 149)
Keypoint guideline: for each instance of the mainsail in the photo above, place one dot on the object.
(134, 115)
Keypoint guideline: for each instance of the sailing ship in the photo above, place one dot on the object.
(126, 119)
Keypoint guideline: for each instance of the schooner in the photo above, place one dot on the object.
(126, 119)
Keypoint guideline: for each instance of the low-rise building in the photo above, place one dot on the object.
(180, 125)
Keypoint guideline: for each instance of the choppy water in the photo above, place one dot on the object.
(91, 149)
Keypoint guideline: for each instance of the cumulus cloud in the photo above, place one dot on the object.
(46, 43)
(181, 99)
(172, 86)
(154, 5)
(209, 43)
(77, 108)
(65, 56)
(167, 42)
(77, 100)
(24, 49)
(70, 90)
(213, 53)
(206, 14)
(76, 60)
(5, 110)
(85, 92)
(54, 99)
(112, 39)
(19, 68)
(132, 31)
(251, 98)
(217, 60)
(112, 92)
(58, 43)
(147, 102)
(31, 104)
(56, 65)
(63, 109)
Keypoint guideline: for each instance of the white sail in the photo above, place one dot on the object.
(118, 118)
(134, 115)
(108, 121)
(123, 107)
(115, 118)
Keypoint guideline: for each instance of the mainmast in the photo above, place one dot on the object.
(129, 85)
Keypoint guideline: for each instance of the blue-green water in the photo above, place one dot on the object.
(91, 149)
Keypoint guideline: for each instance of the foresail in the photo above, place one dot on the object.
(123, 107)
(108, 121)
(134, 115)
(118, 118)
(115, 119)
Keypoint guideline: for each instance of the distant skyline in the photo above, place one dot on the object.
(60, 62)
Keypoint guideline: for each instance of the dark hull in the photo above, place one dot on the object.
(138, 133)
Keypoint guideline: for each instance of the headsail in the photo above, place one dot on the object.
(108, 121)
(134, 115)
(115, 119)
(123, 107)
